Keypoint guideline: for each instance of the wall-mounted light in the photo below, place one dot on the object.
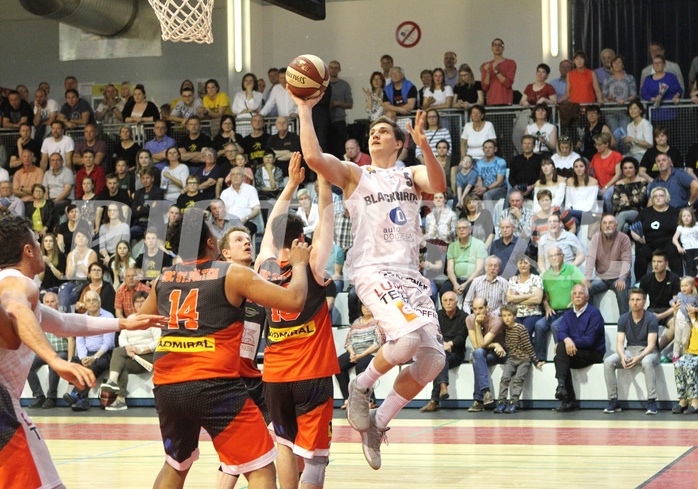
(554, 28)
(235, 35)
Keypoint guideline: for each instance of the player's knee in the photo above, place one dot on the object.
(428, 364)
(402, 350)
(314, 472)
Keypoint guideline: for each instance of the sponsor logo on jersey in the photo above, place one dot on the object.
(302, 331)
(186, 344)
(397, 196)
(406, 310)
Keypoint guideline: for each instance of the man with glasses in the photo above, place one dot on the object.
(498, 76)
(568, 243)
(159, 144)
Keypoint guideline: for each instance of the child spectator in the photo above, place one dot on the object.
(363, 340)
(686, 239)
(466, 178)
(520, 355)
(685, 299)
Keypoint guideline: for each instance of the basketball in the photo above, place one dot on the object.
(307, 76)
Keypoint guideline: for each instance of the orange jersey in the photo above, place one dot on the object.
(202, 339)
(299, 346)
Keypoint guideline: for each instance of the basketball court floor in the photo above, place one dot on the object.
(448, 449)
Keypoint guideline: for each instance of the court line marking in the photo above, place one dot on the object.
(667, 467)
(105, 454)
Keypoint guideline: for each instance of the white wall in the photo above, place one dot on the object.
(356, 32)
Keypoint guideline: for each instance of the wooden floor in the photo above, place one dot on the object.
(448, 449)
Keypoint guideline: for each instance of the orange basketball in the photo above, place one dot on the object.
(307, 76)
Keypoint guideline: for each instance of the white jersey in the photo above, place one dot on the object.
(384, 210)
(15, 364)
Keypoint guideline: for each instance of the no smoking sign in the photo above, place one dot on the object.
(408, 34)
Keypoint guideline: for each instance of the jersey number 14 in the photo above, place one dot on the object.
(187, 312)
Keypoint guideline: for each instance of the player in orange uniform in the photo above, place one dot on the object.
(196, 376)
(300, 358)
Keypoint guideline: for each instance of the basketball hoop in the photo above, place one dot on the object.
(184, 20)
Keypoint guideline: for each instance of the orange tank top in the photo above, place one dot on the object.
(581, 86)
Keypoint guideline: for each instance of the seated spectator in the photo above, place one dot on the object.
(507, 247)
(542, 130)
(539, 92)
(656, 228)
(486, 334)
(466, 178)
(186, 107)
(54, 264)
(120, 262)
(45, 112)
(454, 333)
(127, 149)
(192, 194)
(685, 239)
(220, 221)
(57, 143)
(89, 169)
(581, 195)
(476, 133)
(585, 146)
(374, 96)
(160, 143)
(109, 109)
(138, 109)
(491, 171)
(241, 200)
(249, 100)
(145, 197)
(629, 194)
(648, 166)
(581, 342)
(97, 284)
(608, 263)
(565, 157)
(525, 293)
(256, 142)
(621, 88)
(400, 96)
(661, 285)
(144, 161)
(174, 176)
(124, 187)
(438, 95)
(283, 143)
(568, 243)
(123, 304)
(363, 340)
(525, 167)
(558, 281)
(468, 91)
(443, 156)
(682, 187)
(489, 286)
(76, 112)
(686, 374)
(40, 210)
(582, 84)
(93, 143)
(539, 227)
(24, 142)
(135, 348)
(58, 183)
(425, 77)
(353, 153)
(16, 111)
(519, 356)
(110, 234)
(480, 219)
(521, 216)
(636, 346)
(308, 212)
(65, 348)
(227, 134)
(93, 352)
(190, 146)
(605, 167)
(549, 180)
(9, 204)
(435, 133)
(153, 259)
(440, 225)
(269, 178)
(465, 259)
(638, 137)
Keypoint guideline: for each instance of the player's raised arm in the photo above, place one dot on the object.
(323, 237)
(340, 173)
(429, 178)
(296, 176)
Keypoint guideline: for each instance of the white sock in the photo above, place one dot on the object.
(368, 377)
(392, 405)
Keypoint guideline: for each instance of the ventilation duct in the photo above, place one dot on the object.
(101, 17)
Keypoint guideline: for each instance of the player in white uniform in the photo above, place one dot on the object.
(24, 458)
(383, 203)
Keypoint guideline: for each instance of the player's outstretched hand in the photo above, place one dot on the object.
(310, 103)
(76, 374)
(143, 321)
(300, 253)
(417, 132)
(296, 173)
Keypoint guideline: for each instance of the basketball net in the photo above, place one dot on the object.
(184, 20)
